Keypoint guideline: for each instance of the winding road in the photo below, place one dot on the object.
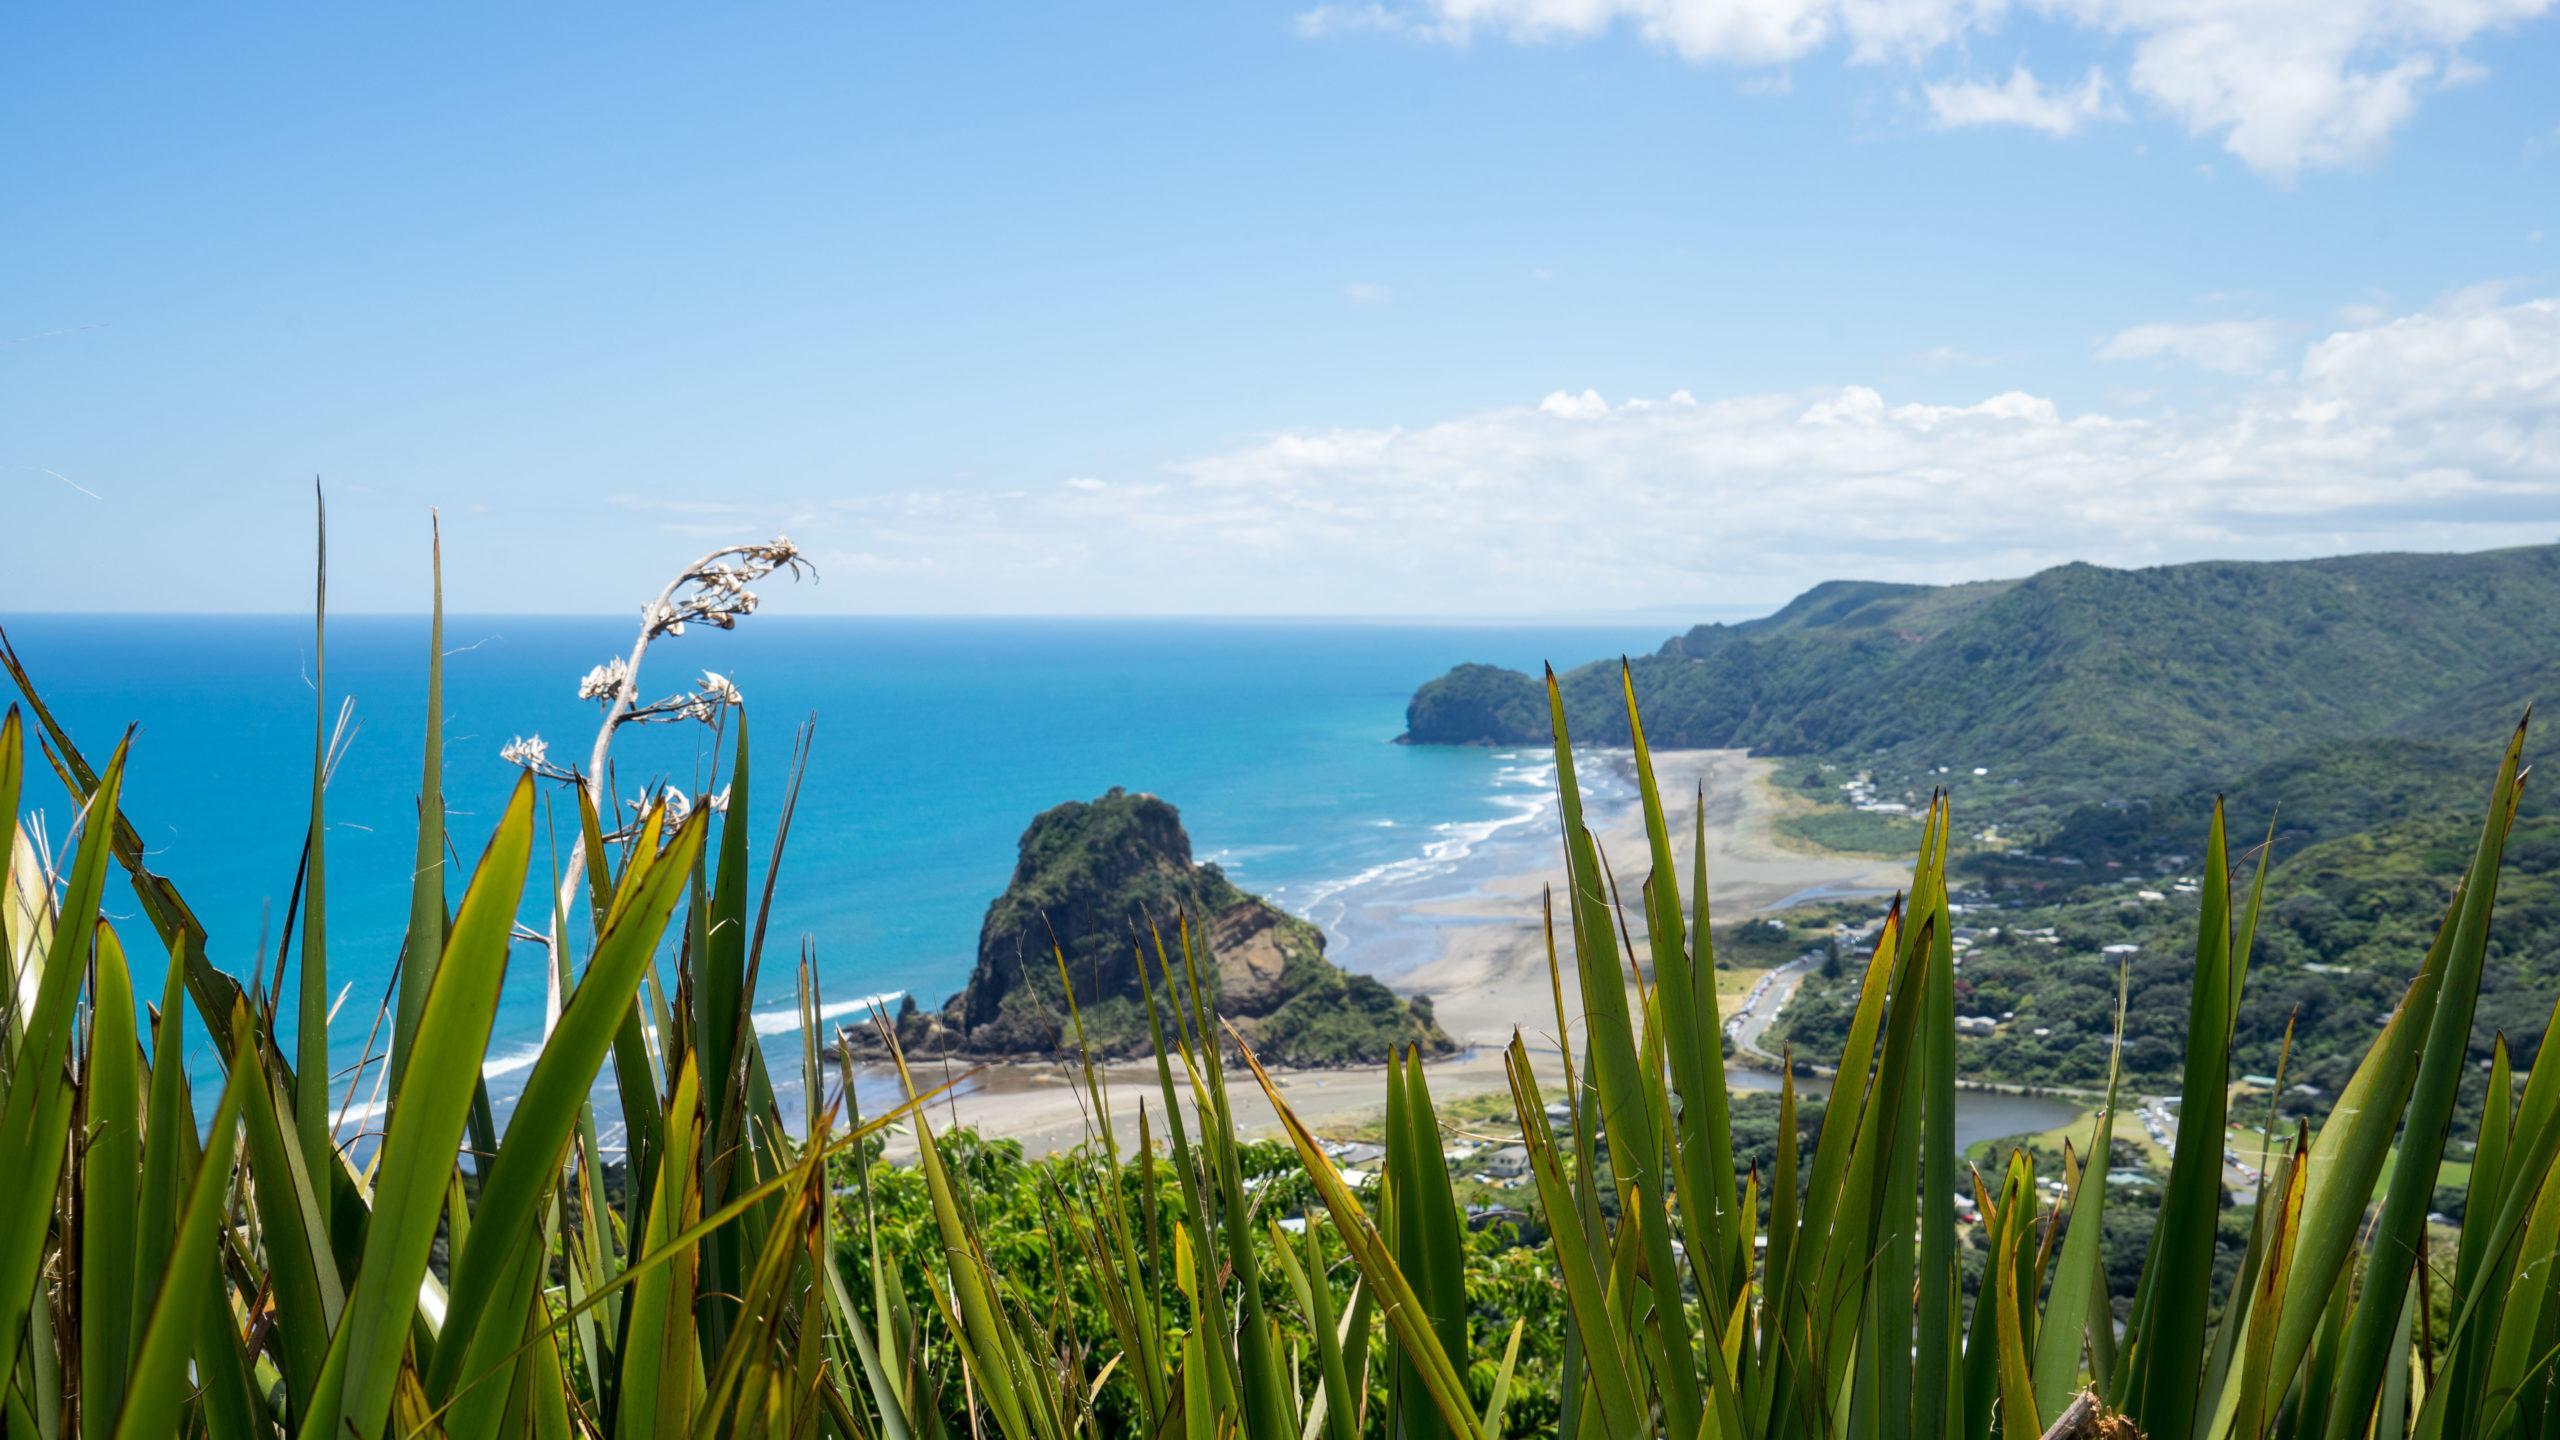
(1760, 1009)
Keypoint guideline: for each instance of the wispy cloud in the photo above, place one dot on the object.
(2023, 100)
(2284, 85)
(2230, 347)
(1366, 292)
(1327, 21)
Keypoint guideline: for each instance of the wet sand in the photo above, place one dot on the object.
(1486, 971)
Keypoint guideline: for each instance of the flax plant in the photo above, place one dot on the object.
(243, 1269)
(1843, 1315)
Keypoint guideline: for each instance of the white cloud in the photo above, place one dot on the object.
(1327, 21)
(2470, 359)
(2284, 85)
(1363, 292)
(2438, 429)
(2023, 100)
(2232, 347)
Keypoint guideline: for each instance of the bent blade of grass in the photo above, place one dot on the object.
(495, 1271)
(170, 1116)
(2532, 1142)
(1403, 1308)
(635, 1077)
(365, 1356)
(1607, 1356)
(1430, 1249)
(311, 1014)
(304, 1282)
(658, 1354)
(2345, 1160)
(2173, 1341)
(1267, 1397)
(724, 1041)
(1792, 1289)
(2258, 1397)
(1937, 1368)
(35, 1117)
(655, 1260)
(13, 776)
(2018, 1412)
(985, 1334)
(1315, 1298)
(747, 1363)
(1627, 1087)
(423, 945)
(1845, 1283)
(2467, 1363)
(2399, 1235)
(2076, 1277)
(110, 1160)
(1895, 1344)
(1499, 1394)
(176, 1320)
(2510, 1361)
(1691, 1034)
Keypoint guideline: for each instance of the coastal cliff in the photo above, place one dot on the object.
(2094, 682)
(1108, 875)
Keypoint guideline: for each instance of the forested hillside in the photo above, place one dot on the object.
(2079, 681)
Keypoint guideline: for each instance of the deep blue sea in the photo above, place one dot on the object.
(935, 741)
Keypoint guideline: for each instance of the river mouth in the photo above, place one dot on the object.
(1980, 1114)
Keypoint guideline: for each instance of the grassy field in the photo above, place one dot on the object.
(1855, 832)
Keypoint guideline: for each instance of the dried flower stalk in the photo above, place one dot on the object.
(711, 591)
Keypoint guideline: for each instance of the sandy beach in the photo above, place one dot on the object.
(1486, 966)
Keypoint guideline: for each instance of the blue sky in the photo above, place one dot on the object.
(1266, 308)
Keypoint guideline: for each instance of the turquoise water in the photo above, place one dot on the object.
(935, 741)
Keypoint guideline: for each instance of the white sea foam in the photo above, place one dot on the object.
(1456, 841)
(1523, 788)
(1238, 857)
(786, 1021)
(783, 1020)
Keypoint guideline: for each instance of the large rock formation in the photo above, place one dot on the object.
(1101, 881)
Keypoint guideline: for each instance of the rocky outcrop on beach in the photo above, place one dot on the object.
(1102, 883)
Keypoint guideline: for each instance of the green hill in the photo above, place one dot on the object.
(2079, 681)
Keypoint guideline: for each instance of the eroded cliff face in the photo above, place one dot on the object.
(1101, 883)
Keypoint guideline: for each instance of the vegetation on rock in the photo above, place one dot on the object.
(1476, 705)
(1101, 884)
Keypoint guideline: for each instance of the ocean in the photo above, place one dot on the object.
(932, 744)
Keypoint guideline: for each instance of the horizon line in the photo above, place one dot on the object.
(1651, 615)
